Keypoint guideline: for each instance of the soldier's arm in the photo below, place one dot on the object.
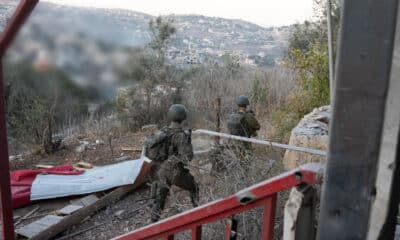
(252, 121)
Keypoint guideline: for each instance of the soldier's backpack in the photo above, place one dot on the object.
(237, 124)
(156, 145)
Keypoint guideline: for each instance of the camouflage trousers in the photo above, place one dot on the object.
(168, 174)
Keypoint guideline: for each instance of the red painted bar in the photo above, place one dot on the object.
(196, 233)
(226, 207)
(6, 214)
(269, 218)
(22, 12)
(228, 229)
(159, 234)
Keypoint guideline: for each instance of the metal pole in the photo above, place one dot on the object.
(330, 51)
(385, 207)
(262, 142)
(362, 76)
(217, 110)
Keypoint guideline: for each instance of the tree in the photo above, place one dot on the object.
(308, 56)
(152, 76)
(161, 33)
(34, 112)
(307, 34)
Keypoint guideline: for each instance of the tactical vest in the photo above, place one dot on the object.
(237, 124)
(159, 146)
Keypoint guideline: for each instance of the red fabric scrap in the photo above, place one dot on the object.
(21, 182)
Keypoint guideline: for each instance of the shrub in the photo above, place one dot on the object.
(312, 91)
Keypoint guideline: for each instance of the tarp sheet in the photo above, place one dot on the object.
(92, 180)
(21, 182)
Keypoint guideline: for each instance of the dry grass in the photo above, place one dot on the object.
(264, 164)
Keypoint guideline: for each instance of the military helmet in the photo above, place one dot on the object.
(177, 113)
(242, 101)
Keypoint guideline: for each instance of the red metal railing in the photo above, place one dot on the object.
(262, 194)
(23, 10)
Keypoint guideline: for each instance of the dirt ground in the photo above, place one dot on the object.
(131, 212)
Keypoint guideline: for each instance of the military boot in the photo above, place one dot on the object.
(159, 203)
(194, 196)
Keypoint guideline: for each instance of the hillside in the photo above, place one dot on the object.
(89, 44)
(203, 35)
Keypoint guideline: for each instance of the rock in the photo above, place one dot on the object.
(99, 142)
(84, 142)
(80, 148)
(91, 146)
(85, 145)
(119, 213)
(15, 157)
(311, 132)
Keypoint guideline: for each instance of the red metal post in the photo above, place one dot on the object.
(228, 229)
(6, 214)
(231, 229)
(196, 233)
(269, 218)
(21, 13)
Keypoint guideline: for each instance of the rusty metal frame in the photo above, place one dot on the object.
(22, 12)
(362, 80)
(261, 194)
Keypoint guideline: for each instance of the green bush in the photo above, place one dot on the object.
(313, 91)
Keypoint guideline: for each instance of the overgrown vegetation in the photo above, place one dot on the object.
(308, 56)
(39, 103)
(280, 96)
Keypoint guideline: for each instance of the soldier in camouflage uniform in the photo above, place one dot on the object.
(242, 123)
(173, 170)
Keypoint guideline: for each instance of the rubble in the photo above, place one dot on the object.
(86, 145)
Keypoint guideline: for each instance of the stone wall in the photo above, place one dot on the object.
(311, 132)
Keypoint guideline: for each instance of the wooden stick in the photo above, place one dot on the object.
(27, 215)
(131, 149)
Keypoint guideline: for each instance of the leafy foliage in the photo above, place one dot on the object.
(154, 83)
(308, 56)
(39, 103)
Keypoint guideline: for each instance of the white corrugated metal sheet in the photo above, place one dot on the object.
(92, 180)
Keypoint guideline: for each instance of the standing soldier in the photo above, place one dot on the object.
(171, 150)
(243, 123)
